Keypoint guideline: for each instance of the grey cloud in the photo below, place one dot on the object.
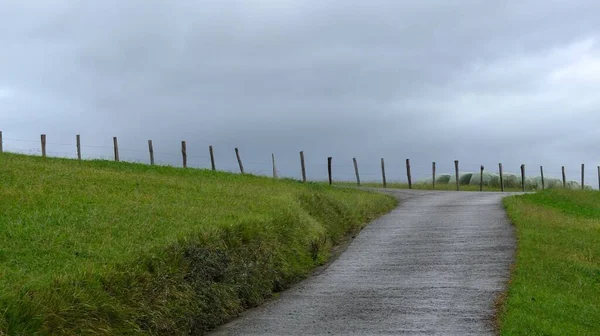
(429, 80)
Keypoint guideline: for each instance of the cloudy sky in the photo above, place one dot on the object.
(479, 81)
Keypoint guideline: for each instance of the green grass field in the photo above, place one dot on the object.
(98, 247)
(555, 285)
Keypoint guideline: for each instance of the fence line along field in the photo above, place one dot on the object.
(115, 247)
(482, 180)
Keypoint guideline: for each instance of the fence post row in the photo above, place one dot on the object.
(212, 158)
(43, 141)
(481, 179)
(356, 171)
(329, 170)
(151, 151)
(408, 174)
(302, 166)
(523, 177)
(501, 178)
(274, 167)
(116, 148)
(433, 174)
(457, 177)
(184, 154)
(237, 155)
(383, 173)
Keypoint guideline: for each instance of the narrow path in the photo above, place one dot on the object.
(433, 266)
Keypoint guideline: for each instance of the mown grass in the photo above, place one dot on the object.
(98, 247)
(555, 284)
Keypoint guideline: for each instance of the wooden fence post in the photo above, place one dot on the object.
(302, 166)
(116, 148)
(582, 176)
(329, 170)
(523, 177)
(274, 167)
(43, 140)
(481, 179)
(408, 174)
(433, 174)
(78, 144)
(457, 177)
(1, 148)
(151, 151)
(212, 158)
(542, 176)
(358, 176)
(564, 177)
(598, 177)
(237, 154)
(501, 178)
(184, 154)
(383, 173)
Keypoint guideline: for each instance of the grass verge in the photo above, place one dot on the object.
(555, 284)
(98, 247)
(422, 186)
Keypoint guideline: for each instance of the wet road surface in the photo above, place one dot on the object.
(433, 266)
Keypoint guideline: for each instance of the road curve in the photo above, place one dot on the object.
(433, 266)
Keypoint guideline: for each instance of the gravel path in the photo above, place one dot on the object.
(433, 266)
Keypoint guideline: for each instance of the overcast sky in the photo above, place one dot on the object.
(479, 81)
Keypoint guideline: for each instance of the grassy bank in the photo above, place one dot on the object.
(98, 247)
(555, 285)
